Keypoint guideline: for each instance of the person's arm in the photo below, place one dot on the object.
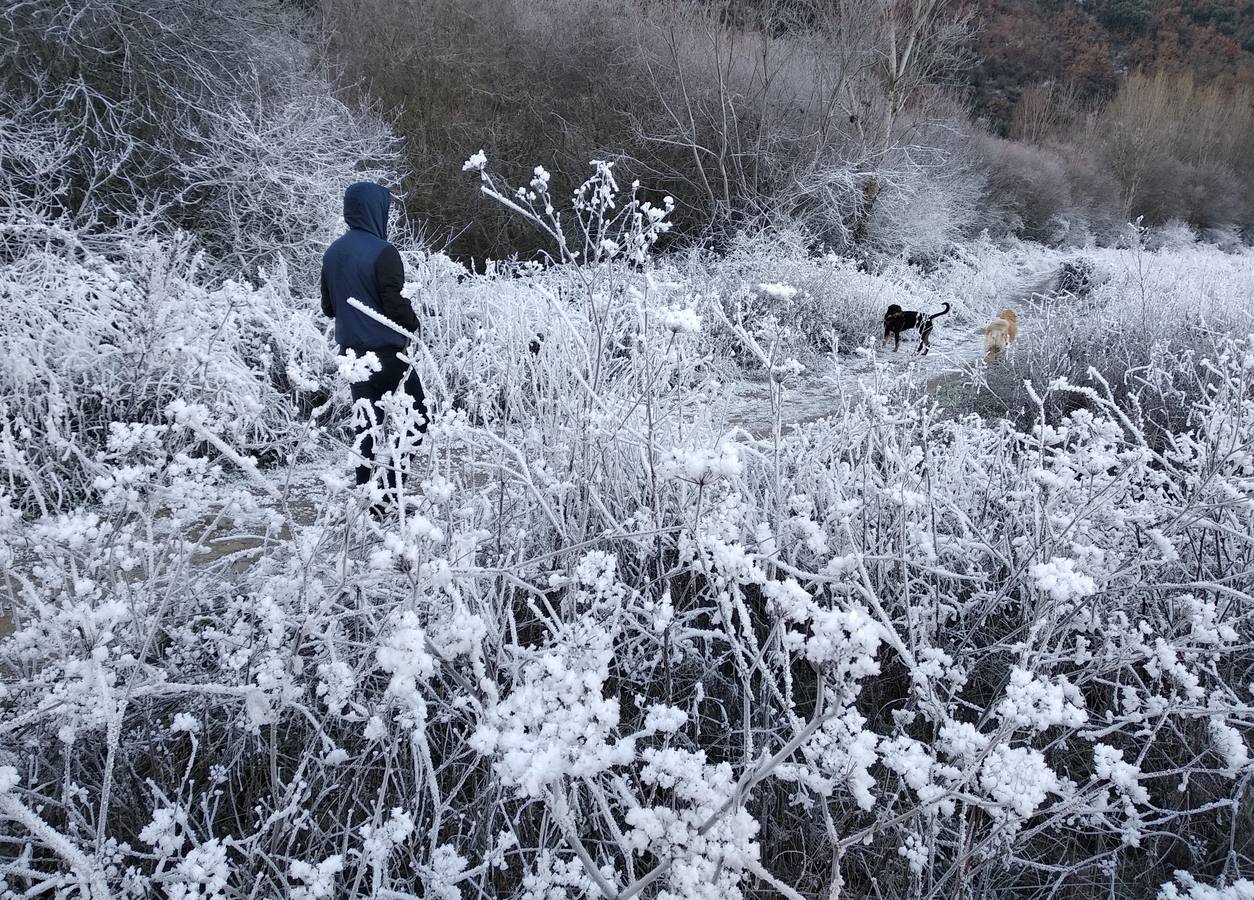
(328, 305)
(389, 271)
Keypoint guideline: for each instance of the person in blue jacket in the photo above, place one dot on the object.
(362, 264)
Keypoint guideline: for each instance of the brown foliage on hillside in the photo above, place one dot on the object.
(1090, 47)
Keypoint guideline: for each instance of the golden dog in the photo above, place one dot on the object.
(1001, 332)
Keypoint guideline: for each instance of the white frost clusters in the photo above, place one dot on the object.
(202, 874)
(1018, 778)
(701, 465)
(354, 368)
(1035, 704)
(556, 722)
(681, 320)
(962, 741)
(1109, 765)
(184, 723)
(1186, 887)
(778, 291)
(707, 866)
(378, 842)
(1060, 580)
(1230, 745)
(404, 656)
(842, 752)
(318, 881)
(447, 868)
(166, 833)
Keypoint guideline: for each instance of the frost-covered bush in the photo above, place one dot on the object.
(1076, 277)
(610, 646)
(770, 285)
(1171, 235)
(100, 332)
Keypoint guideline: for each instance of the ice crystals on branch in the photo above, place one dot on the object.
(845, 640)
(476, 163)
(404, 655)
(778, 291)
(318, 881)
(920, 771)
(706, 866)
(702, 466)
(354, 368)
(607, 227)
(184, 723)
(915, 852)
(187, 414)
(681, 320)
(557, 722)
(663, 718)
(1230, 746)
(1017, 778)
(553, 877)
(842, 751)
(447, 868)
(1109, 766)
(202, 874)
(1038, 705)
(167, 832)
(1189, 888)
(961, 741)
(1204, 619)
(379, 842)
(1060, 580)
(597, 571)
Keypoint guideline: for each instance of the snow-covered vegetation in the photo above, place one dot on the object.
(613, 646)
(640, 628)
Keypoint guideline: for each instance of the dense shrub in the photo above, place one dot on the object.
(1076, 277)
(1031, 188)
(100, 332)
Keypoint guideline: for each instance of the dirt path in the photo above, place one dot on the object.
(811, 397)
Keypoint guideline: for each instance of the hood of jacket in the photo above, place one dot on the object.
(366, 208)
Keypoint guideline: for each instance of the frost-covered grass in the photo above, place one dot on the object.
(611, 648)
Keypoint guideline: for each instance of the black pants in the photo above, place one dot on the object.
(392, 372)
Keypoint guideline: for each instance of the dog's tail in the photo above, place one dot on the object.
(942, 312)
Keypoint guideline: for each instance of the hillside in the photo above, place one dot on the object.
(1089, 45)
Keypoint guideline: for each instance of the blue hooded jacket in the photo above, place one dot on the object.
(364, 265)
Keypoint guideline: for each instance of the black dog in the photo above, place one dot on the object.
(897, 320)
